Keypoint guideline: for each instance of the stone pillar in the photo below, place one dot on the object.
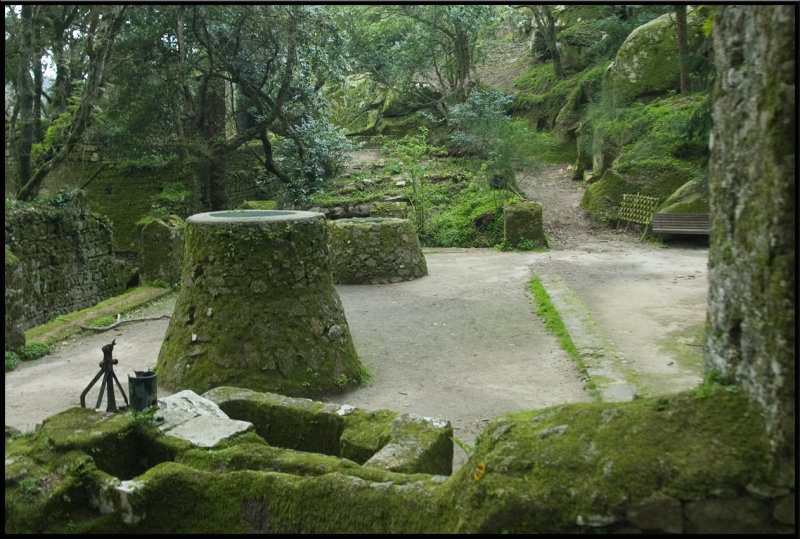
(258, 308)
(523, 221)
(161, 249)
(751, 309)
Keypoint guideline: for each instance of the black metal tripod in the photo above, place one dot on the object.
(107, 372)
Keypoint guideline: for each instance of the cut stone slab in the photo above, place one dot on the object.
(190, 417)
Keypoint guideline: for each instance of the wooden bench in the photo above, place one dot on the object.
(681, 223)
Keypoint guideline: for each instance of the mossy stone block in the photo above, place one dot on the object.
(374, 250)
(258, 308)
(523, 221)
(161, 249)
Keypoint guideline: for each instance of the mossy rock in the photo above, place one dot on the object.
(691, 197)
(646, 64)
(258, 308)
(586, 467)
(384, 439)
(397, 210)
(523, 223)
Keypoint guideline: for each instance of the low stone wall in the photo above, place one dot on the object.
(65, 255)
(375, 250)
(394, 441)
(15, 303)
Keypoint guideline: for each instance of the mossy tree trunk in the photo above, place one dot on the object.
(751, 310)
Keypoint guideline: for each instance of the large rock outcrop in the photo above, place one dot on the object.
(646, 64)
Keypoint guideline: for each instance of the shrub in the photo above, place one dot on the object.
(12, 360)
(33, 350)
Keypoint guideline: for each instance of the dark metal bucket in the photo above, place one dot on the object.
(143, 390)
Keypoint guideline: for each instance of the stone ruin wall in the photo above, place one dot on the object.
(751, 311)
(65, 262)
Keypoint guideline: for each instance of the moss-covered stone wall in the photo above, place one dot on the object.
(682, 463)
(161, 249)
(15, 302)
(751, 309)
(65, 254)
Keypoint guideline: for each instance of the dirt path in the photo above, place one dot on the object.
(462, 343)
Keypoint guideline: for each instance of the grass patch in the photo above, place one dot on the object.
(553, 322)
(67, 325)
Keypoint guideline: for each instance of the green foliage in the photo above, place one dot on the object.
(33, 350)
(12, 360)
(485, 131)
(713, 381)
(414, 156)
(465, 447)
(473, 218)
(174, 199)
(316, 154)
(28, 488)
(104, 321)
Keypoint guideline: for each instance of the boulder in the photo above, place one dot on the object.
(646, 64)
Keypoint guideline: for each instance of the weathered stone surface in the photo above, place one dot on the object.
(397, 210)
(134, 478)
(646, 64)
(405, 443)
(691, 197)
(751, 308)
(523, 222)
(161, 249)
(658, 513)
(417, 444)
(15, 303)
(258, 307)
(375, 250)
(66, 256)
(736, 515)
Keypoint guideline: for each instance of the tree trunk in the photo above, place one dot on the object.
(545, 23)
(25, 97)
(683, 46)
(100, 39)
(36, 62)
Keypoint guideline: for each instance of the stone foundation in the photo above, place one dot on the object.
(375, 250)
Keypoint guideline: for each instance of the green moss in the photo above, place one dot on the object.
(66, 325)
(537, 471)
(246, 277)
(621, 453)
(127, 193)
